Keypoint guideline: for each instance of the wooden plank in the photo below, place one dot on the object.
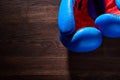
(30, 48)
(57, 65)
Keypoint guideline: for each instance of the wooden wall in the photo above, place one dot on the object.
(30, 48)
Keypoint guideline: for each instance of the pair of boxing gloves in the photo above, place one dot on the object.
(82, 23)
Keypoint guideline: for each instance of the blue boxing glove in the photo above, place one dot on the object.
(109, 22)
(77, 33)
(66, 18)
(118, 3)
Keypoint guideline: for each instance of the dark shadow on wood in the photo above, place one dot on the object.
(101, 64)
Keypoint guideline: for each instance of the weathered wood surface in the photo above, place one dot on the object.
(30, 48)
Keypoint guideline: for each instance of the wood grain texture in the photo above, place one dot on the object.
(30, 48)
